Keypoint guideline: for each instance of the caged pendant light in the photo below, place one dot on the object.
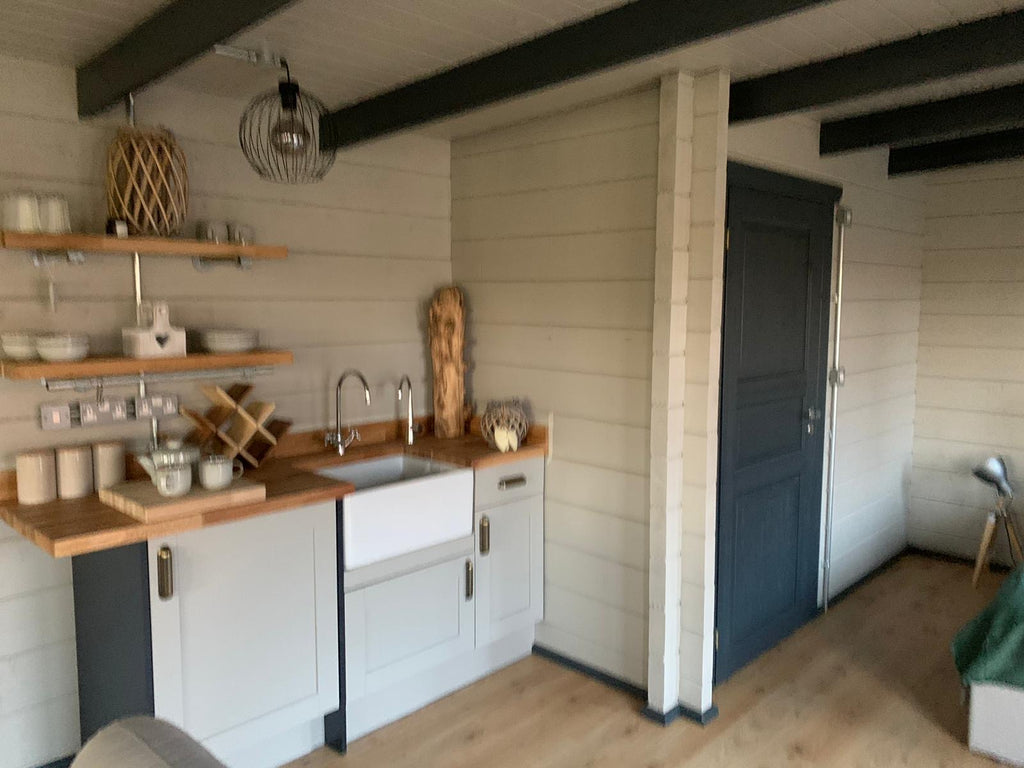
(280, 134)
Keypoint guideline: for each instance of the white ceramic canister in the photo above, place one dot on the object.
(54, 216)
(21, 212)
(74, 471)
(37, 477)
(107, 464)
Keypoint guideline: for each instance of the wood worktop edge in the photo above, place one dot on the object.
(467, 451)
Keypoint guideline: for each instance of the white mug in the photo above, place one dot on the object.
(173, 480)
(37, 477)
(217, 472)
(21, 212)
(54, 216)
(74, 471)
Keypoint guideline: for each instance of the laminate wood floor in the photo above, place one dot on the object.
(869, 684)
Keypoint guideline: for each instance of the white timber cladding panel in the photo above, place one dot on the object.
(553, 242)
(704, 290)
(970, 378)
(881, 311)
(668, 385)
(367, 247)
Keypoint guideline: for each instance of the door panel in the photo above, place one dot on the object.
(774, 348)
(511, 573)
(248, 642)
(405, 625)
(766, 521)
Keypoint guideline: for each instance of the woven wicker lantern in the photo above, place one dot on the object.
(147, 181)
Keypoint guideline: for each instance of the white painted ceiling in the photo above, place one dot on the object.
(346, 50)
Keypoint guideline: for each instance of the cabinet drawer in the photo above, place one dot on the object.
(509, 482)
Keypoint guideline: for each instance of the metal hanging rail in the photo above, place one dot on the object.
(836, 379)
(95, 382)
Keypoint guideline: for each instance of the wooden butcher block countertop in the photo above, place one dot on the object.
(77, 527)
(469, 451)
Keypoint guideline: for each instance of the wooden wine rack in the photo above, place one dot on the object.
(233, 428)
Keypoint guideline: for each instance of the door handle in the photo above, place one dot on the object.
(469, 580)
(164, 573)
(512, 481)
(485, 535)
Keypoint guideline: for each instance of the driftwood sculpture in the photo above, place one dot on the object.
(447, 340)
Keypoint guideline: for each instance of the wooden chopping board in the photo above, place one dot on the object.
(141, 500)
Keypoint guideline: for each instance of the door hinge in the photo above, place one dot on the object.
(727, 239)
(716, 639)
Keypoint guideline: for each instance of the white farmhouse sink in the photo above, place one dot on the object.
(402, 504)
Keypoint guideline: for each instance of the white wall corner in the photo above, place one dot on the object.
(700, 454)
(668, 381)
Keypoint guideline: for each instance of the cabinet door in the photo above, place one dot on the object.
(247, 645)
(407, 624)
(510, 568)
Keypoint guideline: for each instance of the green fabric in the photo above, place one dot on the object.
(991, 647)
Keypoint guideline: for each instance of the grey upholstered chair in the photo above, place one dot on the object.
(142, 742)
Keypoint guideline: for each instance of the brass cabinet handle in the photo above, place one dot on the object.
(469, 579)
(164, 573)
(485, 535)
(512, 481)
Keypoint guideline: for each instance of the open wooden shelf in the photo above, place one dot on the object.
(165, 246)
(96, 367)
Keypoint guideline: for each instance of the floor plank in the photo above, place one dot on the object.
(869, 684)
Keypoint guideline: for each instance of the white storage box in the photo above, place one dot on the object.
(156, 340)
(997, 722)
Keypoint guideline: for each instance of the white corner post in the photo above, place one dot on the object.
(703, 378)
(685, 374)
(668, 380)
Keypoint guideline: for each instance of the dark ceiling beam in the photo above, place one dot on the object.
(991, 42)
(171, 37)
(632, 31)
(1000, 145)
(973, 113)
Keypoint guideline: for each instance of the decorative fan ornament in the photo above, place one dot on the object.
(280, 134)
(505, 424)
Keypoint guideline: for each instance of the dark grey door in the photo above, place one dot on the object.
(774, 353)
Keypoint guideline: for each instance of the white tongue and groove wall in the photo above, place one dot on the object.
(554, 229)
(970, 381)
(367, 248)
(566, 299)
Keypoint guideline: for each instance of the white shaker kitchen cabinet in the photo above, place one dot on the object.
(245, 644)
(422, 625)
(405, 625)
(509, 518)
(510, 568)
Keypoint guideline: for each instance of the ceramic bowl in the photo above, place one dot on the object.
(19, 346)
(226, 340)
(62, 347)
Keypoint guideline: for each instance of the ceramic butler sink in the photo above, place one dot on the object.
(402, 504)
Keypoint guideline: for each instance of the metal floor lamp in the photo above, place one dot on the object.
(993, 471)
